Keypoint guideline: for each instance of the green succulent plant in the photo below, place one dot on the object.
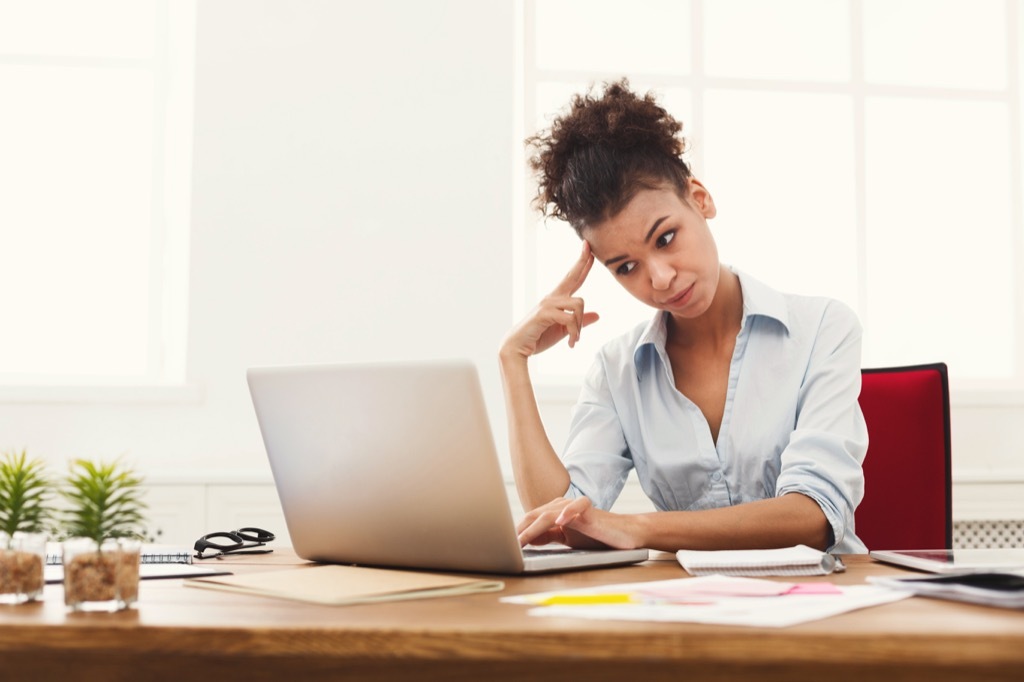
(24, 494)
(104, 501)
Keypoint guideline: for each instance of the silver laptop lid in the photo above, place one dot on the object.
(387, 464)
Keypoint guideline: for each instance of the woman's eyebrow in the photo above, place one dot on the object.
(650, 233)
(654, 227)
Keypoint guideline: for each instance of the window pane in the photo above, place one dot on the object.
(939, 236)
(649, 36)
(75, 220)
(780, 167)
(785, 39)
(97, 28)
(941, 43)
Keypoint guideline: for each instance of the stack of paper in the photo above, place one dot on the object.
(992, 589)
(788, 561)
(720, 600)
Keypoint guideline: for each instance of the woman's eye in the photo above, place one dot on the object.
(625, 268)
(665, 239)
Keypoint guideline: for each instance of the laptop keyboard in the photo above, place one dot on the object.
(528, 552)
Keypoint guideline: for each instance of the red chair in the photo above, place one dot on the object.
(907, 478)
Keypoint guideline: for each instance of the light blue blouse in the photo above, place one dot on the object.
(792, 422)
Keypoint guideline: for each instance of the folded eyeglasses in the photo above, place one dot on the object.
(242, 541)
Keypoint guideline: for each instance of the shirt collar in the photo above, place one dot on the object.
(758, 300)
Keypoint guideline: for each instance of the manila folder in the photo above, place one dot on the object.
(338, 585)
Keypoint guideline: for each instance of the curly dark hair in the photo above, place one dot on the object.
(594, 159)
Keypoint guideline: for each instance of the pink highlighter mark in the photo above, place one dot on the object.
(814, 588)
(715, 586)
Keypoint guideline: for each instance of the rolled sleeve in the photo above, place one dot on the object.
(823, 459)
(596, 455)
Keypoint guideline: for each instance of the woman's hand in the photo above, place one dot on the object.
(558, 315)
(576, 523)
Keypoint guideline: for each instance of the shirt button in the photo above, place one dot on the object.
(717, 476)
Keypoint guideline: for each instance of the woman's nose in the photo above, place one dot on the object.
(662, 275)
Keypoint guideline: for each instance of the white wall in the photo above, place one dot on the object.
(352, 200)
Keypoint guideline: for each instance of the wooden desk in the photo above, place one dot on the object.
(181, 633)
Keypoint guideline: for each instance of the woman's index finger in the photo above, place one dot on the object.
(577, 275)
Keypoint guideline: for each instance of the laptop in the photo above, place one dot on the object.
(978, 560)
(395, 465)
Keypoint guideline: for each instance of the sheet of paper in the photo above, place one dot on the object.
(814, 588)
(658, 590)
(774, 612)
(717, 585)
(721, 600)
(338, 585)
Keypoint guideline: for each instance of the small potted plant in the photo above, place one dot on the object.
(103, 522)
(24, 509)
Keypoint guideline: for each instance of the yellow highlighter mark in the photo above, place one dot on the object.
(577, 599)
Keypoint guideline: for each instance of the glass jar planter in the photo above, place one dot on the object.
(101, 577)
(22, 557)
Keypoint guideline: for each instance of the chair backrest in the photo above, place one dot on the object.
(907, 497)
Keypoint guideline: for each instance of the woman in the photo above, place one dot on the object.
(736, 404)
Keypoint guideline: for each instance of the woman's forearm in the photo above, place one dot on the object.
(539, 473)
(791, 519)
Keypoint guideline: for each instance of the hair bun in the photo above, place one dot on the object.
(622, 119)
(596, 156)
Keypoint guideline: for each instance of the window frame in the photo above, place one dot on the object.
(966, 392)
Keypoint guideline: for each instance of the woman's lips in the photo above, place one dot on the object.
(682, 299)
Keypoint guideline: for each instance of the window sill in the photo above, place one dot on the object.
(173, 394)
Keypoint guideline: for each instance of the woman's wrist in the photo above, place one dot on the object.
(510, 361)
(640, 530)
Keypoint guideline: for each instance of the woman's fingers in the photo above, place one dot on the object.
(585, 320)
(573, 510)
(572, 315)
(577, 275)
(580, 318)
(541, 517)
(561, 317)
(557, 316)
(575, 278)
(548, 523)
(530, 516)
(540, 532)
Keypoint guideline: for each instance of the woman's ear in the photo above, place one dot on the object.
(701, 199)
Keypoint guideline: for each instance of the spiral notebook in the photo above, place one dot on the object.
(797, 560)
(54, 573)
(150, 554)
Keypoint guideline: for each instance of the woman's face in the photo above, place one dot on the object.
(660, 248)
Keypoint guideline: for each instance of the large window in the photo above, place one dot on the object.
(94, 166)
(868, 150)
